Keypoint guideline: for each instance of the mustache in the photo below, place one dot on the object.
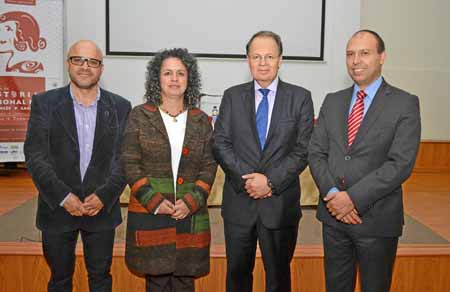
(84, 70)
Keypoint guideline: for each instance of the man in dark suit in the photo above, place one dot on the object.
(71, 149)
(260, 140)
(363, 148)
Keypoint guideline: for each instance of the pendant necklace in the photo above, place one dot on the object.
(174, 117)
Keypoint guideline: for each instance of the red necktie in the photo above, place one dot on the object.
(356, 116)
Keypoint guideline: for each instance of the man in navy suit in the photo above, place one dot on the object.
(260, 140)
(71, 149)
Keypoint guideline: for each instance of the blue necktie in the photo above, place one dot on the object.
(262, 117)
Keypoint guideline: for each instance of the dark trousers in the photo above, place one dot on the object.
(277, 248)
(59, 252)
(169, 283)
(344, 250)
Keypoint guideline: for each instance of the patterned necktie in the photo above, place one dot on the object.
(356, 116)
(262, 116)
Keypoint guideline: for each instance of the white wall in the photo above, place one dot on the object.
(417, 37)
(416, 33)
(126, 75)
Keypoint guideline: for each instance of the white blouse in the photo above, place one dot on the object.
(175, 127)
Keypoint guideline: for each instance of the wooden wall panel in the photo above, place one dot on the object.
(28, 273)
(422, 273)
(433, 156)
(21, 273)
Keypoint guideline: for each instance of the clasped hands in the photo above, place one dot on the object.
(256, 186)
(177, 211)
(90, 207)
(341, 206)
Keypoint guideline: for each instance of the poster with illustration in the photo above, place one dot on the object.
(31, 61)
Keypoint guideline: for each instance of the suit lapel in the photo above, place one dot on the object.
(249, 103)
(106, 118)
(342, 119)
(277, 111)
(66, 115)
(373, 113)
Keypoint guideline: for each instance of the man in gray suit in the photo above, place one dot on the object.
(363, 148)
(260, 140)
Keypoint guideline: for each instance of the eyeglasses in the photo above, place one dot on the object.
(79, 61)
(259, 58)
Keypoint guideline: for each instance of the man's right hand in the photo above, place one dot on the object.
(256, 186)
(74, 206)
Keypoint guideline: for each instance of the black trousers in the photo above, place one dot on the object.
(169, 283)
(277, 248)
(59, 252)
(344, 250)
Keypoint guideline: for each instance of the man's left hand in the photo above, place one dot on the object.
(351, 218)
(92, 204)
(256, 185)
(339, 204)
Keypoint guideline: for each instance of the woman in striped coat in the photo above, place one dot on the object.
(169, 165)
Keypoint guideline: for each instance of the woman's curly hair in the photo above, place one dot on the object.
(153, 87)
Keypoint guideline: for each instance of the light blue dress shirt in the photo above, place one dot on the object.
(270, 98)
(370, 90)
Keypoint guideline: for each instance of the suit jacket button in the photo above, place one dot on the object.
(348, 157)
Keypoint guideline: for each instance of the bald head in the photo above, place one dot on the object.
(85, 48)
(84, 64)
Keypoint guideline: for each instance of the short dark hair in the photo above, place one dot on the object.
(380, 43)
(268, 34)
(153, 86)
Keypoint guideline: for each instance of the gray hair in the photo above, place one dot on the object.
(267, 34)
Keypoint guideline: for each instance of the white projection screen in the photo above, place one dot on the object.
(213, 28)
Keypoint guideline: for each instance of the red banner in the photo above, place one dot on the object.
(15, 103)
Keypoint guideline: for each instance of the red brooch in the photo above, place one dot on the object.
(180, 180)
(185, 151)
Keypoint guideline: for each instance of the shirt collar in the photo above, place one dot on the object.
(73, 95)
(370, 90)
(272, 86)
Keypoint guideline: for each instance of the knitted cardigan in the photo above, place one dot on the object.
(158, 244)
